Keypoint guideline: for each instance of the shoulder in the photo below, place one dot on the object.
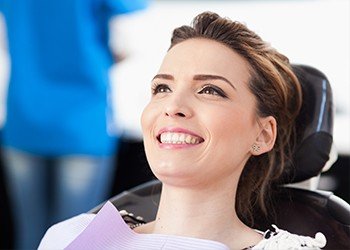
(61, 234)
(281, 239)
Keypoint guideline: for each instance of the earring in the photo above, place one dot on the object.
(256, 148)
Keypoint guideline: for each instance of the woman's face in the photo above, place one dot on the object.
(201, 122)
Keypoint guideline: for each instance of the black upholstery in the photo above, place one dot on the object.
(307, 212)
(6, 216)
(299, 211)
(314, 125)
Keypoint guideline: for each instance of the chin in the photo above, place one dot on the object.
(173, 175)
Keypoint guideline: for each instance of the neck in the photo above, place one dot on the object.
(200, 213)
(185, 210)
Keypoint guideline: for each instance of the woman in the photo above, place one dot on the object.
(218, 131)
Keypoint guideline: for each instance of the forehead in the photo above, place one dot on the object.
(200, 55)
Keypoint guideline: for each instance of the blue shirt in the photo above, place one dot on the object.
(57, 101)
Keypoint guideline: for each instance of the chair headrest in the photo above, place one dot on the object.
(314, 125)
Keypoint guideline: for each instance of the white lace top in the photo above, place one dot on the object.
(108, 230)
(281, 239)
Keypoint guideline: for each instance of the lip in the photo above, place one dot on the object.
(177, 130)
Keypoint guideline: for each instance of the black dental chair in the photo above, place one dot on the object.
(304, 211)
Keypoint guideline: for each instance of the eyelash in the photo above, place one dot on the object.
(156, 87)
(213, 90)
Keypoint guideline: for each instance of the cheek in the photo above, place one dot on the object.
(226, 121)
(232, 129)
(146, 125)
(146, 118)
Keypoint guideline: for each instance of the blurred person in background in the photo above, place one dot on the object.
(59, 140)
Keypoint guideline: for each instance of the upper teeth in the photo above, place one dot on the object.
(178, 138)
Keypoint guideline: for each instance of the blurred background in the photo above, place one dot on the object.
(311, 32)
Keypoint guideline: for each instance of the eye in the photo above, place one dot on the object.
(160, 88)
(212, 90)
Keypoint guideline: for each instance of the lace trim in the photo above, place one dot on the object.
(281, 239)
(131, 220)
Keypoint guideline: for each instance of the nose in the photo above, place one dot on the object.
(178, 107)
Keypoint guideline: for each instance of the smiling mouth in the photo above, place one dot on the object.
(179, 138)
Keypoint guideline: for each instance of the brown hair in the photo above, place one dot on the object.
(277, 92)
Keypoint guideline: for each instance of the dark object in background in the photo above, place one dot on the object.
(132, 166)
(6, 219)
(339, 173)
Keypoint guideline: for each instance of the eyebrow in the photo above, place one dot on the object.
(163, 76)
(201, 77)
(212, 77)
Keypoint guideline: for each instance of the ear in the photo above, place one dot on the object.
(267, 136)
